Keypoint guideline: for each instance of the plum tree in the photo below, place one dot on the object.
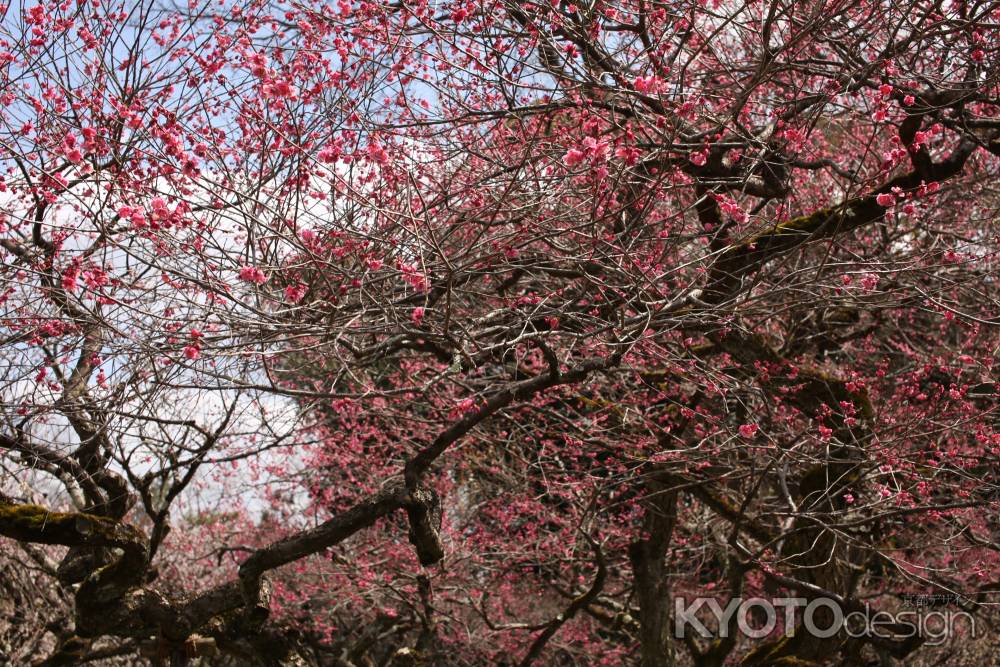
(481, 332)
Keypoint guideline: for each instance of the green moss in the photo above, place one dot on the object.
(862, 400)
(34, 518)
(600, 403)
(33, 523)
(765, 653)
(779, 653)
(796, 226)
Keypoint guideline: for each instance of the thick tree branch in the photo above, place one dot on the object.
(742, 259)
